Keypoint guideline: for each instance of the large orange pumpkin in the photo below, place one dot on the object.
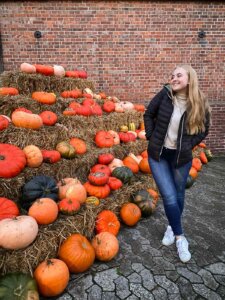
(77, 192)
(77, 252)
(26, 120)
(44, 211)
(130, 214)
(52, 277)
(131, 164)
(106, 246)
(104, 139)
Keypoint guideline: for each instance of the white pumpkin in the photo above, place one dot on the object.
(127, 105)
(118, 107)
(27, 68)
(59, 71)
(141, 135)
(116, 163)
(18, 233)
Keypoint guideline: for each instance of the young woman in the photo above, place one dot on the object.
(176, 120)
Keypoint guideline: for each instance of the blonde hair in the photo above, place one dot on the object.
(197, 104)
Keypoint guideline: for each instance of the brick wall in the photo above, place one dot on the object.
(128, 47)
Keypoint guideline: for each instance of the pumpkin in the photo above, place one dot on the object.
(50, 156)
(123, 173)
(193, 172)
(83, 110)
(154, 194)
(79, 145)
(21, 108)
(142, 135)
(69, 112)
(144, 154)
(115, 163)
(101, 168)
(64, 184)
(88, 91)
(72, 94)
(104, 139)
(4, 91)
(130, 213)
(97, 191)
(27, 68)
(8, 209)
(190, 181)
(106, 220)
(208, 154)
(144, 166)
(98, 178)
(146, 201)
(73, 74)
(44, 70)
(82, 74)
(106, 246)
(142, 126)
(77, 192)
(69, 206)
(139, 107)
(203, 157)
(59, 71)
(92, 200)
(18, 286)
(33, 155)
(12, 160)
(4, 123)
(108, 106)
(114, 183)
(131, 164)
(52, 276)
(49, 118)
(102, 95)
(26, 120)
(202, 145)
(147, 207)
(88, 101)
(127, 137)
(77, 252)
(44, 97)
(137, 158)
(116, 138)
(197, 164)
(139, 196)
(74, 105)
(44, 211)
(66, 150)
(40, 186)
(127, 105)
(17, 233)
(119, 107)
(105, 158)
(124, 128)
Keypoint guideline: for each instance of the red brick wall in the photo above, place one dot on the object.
(128, 47)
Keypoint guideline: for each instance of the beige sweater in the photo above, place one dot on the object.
(172, 132)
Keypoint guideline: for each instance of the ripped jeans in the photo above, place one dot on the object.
(171, 183)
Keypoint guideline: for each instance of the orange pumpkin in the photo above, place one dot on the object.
(8, 208)
(104, 139)
(52, 277)
(33, 155)
(77, 192)
(203, 157)
(79, 145)
(97, 191)
(44, 211)
(196, 163)
(154, 194)
(144, 166)
(77, 252)
(44, 69)
(131, 164)
(8, 91)
(193, 172)
(64, 184)
(130, 214)
(139, 107)
(106, 246)
(26, 120)
(49, 118)
(144, 154)
(106, 220)
(44, 97)
(202, 145)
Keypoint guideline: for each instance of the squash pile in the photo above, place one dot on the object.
(73, 166)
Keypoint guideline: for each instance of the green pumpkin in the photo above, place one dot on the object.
(190, 182)
(208, 154)
(18, 286)
(38, 187)
(140, 196)
(147, 207)
(123, 173)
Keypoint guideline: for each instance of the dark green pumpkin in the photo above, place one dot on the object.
(147, 207)
(190, 182)
(18, 286)
(140, 196)
(38, 187)
(208, 154)
(123, 173)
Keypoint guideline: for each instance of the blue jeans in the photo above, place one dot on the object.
(171, 183)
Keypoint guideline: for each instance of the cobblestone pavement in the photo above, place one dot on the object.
(144, 269)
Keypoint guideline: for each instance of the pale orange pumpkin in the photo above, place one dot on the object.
(77, 192)
(33, 155)
(52, 276)
(27, 68)
(44, 211)
(119, 108)
(106, 246)
(18, 233)
(26, 120)
(64, 184)
(141, 135)
(77, 252)
(79, 145)
(116, 138)
(115, 163)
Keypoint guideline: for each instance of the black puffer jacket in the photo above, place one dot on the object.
(157, 118)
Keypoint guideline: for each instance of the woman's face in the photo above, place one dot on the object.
(179, 80)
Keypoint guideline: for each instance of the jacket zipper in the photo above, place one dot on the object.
(181, 134)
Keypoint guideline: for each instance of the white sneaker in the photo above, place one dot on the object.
(169, 237)
(182, 249)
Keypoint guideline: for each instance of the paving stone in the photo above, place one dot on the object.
(137, 267)
(133, 297)
(139, 291)
(174, 297)
(147, 279)
(164, 263)
(122, 287)
(94, 292)
(222, 256)
(172, 275)
(192, 277)
(167, 284)
(220, 279)
(216, 268)
(125, 268)
(186, 289)
(221, 291)
(105, 279)
(134, 278)
(202, 290)
(160, 294)
(208, 279)
(65, 297)
(193, 267)
(108, 296)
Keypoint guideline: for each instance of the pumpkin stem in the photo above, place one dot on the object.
(49, 262)
(2, 157)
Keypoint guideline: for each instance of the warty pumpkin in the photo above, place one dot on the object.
(106, 246)
(114, 183)
(98, 178)
(101, 168)
(105, 158)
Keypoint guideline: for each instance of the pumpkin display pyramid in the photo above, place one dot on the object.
(51, 115)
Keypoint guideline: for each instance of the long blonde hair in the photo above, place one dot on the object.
(197, 104)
